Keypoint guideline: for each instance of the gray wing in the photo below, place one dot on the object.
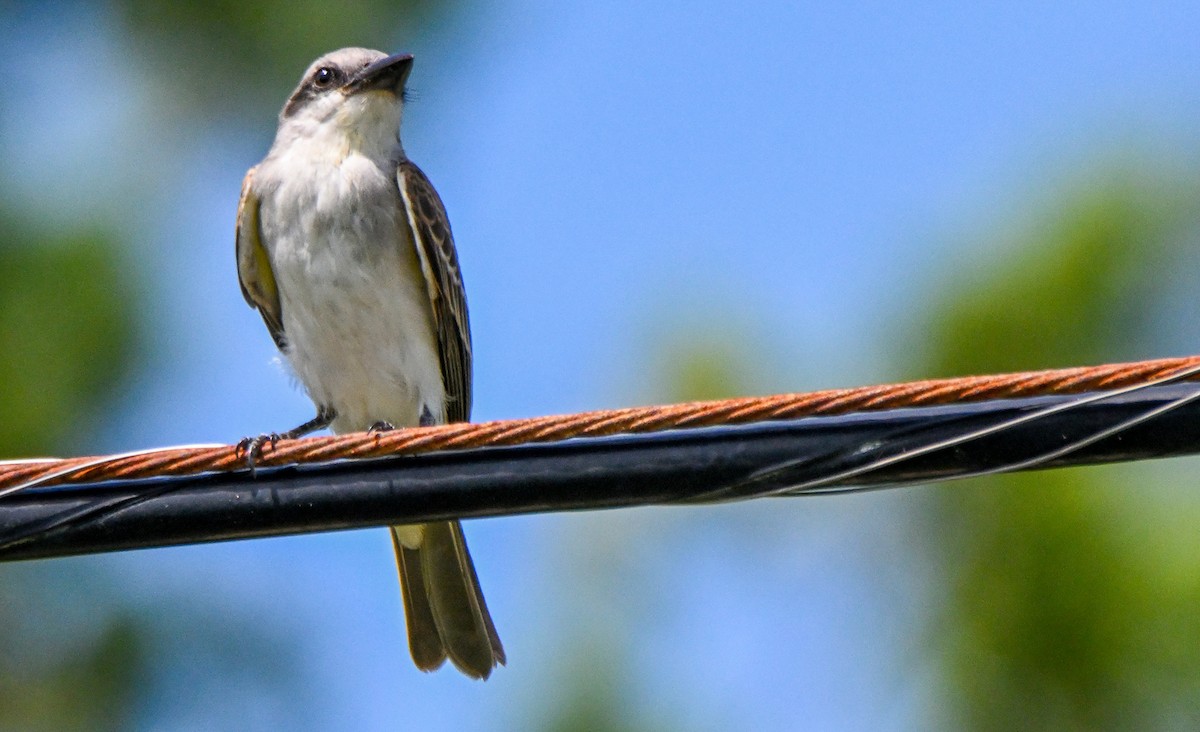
(443, 281)
(254, 265)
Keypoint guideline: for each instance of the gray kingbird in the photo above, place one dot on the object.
(344, 248)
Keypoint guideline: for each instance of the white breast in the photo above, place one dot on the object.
(356, 313)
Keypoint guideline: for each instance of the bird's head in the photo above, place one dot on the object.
(354, 94)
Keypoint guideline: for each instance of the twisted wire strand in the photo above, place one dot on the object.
(196, 459)
(826, 483)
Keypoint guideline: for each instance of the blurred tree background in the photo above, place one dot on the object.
(228, 58)
(1059, 600)
(1069, 594)
(70, 299)
(66, 329)
(80, 647)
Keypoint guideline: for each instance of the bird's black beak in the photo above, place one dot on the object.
(386, 74)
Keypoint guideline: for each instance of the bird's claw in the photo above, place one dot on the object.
(252, 447)
(381, 426)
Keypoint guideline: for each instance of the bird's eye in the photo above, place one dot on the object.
(324, 76)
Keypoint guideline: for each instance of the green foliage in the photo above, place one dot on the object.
(593, 697)
(1074, 289)
(706, 353)
(66, 331)
(224, 56)
(708, 368)
(89, 686)
(1059, 614)
(69, 307)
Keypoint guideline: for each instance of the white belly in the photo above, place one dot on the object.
(356, 314)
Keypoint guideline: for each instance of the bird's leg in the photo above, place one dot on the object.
(427, 420)
(324, 418)
(252, 447)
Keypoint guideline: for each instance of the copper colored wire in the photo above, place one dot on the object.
(182, 461)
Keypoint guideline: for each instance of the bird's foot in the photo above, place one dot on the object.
(381, 426)
(251, 447)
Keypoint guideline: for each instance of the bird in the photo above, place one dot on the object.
(345, 250)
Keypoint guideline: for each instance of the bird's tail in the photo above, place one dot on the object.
(443, 605)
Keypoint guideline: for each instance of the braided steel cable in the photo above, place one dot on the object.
(798, 444)
(200, 459)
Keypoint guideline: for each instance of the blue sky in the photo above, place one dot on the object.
(795, 172)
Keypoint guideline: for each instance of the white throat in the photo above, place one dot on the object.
(366, 124)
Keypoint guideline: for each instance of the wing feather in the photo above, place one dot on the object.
(443, 281)
(254, 264)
